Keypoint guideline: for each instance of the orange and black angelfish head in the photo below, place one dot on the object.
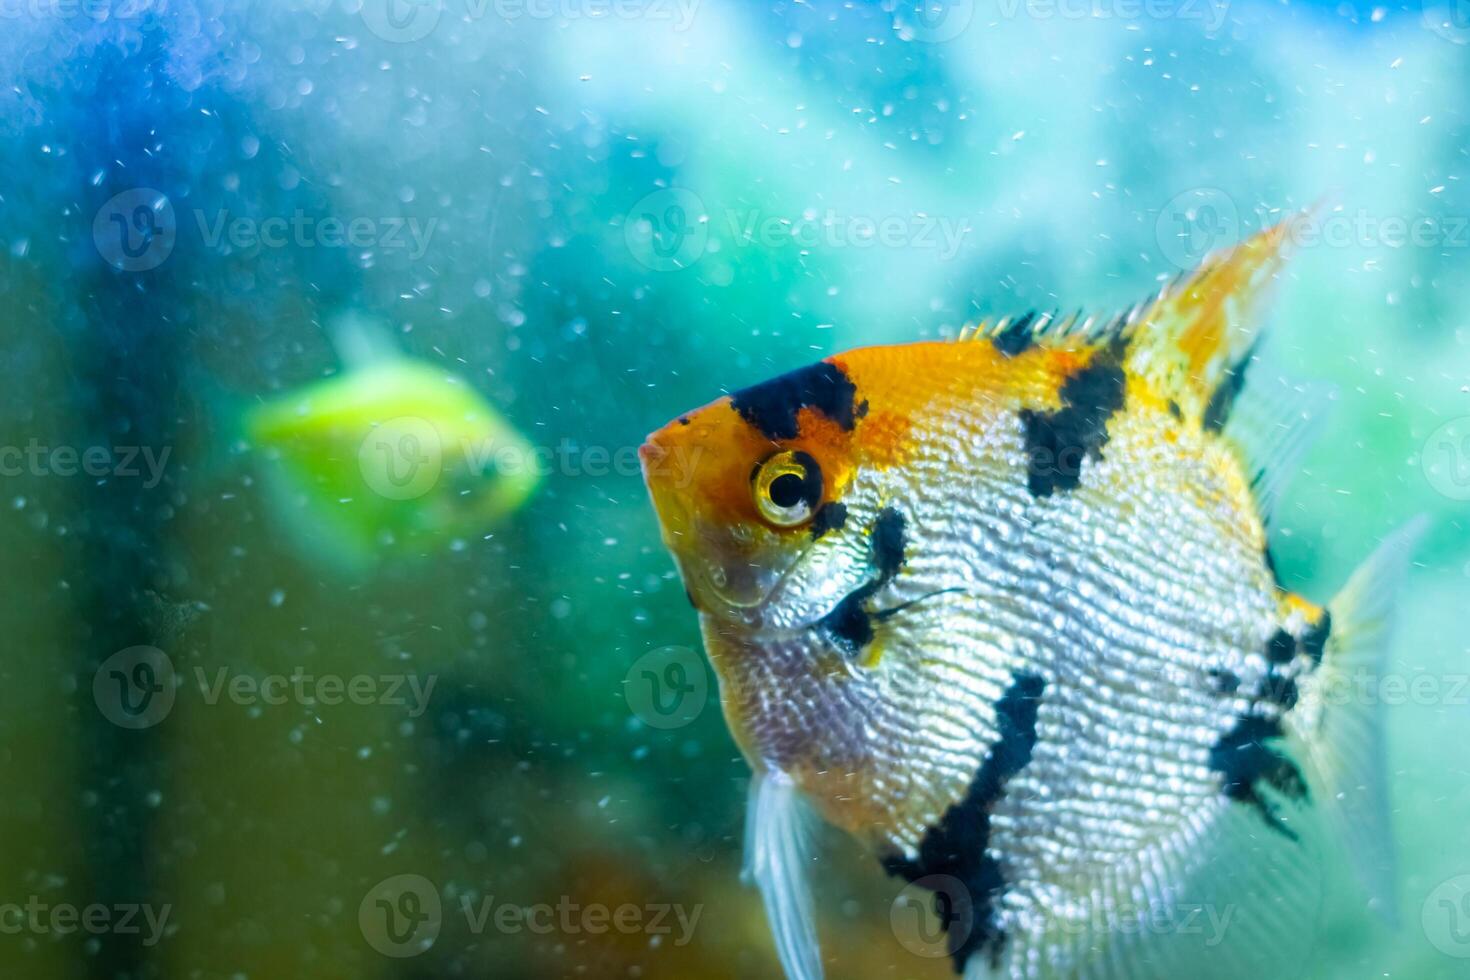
(755, 493)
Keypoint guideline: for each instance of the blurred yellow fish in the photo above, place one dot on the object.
(392, 457)
(1003, 609)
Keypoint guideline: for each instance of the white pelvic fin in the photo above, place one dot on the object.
(1346, 754)
(778, 860)
(1273, 425)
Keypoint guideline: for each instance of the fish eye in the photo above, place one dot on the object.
(787, 488)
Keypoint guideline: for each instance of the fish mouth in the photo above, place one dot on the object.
(735, 579)
(748, 599)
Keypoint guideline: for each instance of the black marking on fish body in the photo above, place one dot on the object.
(772, 406)
(1016, 338)
(1222, 399)
(889, 542)
(1314, 640)
(1058, 442)
(958, 845)
(1281, 648)
(848, 626)
(1271, 565)
(1280, 689)
(1245, 760)
(1175, 411)
(830, 518)
(1226, 681)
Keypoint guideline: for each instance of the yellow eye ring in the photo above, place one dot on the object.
(787, 488)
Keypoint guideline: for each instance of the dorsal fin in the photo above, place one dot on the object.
(1191, 341)
(360, 340)
(1013, 334)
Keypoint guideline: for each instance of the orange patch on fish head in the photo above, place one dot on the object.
(741, 484)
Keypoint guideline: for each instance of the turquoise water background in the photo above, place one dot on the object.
(600, 222)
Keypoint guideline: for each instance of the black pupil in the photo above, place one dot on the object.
(786, 490)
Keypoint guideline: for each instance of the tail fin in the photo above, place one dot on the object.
(1344, 729)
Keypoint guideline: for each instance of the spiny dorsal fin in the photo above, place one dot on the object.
(1191, 341)
(1014, 334)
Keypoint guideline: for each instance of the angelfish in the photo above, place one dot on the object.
(1003, 608)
